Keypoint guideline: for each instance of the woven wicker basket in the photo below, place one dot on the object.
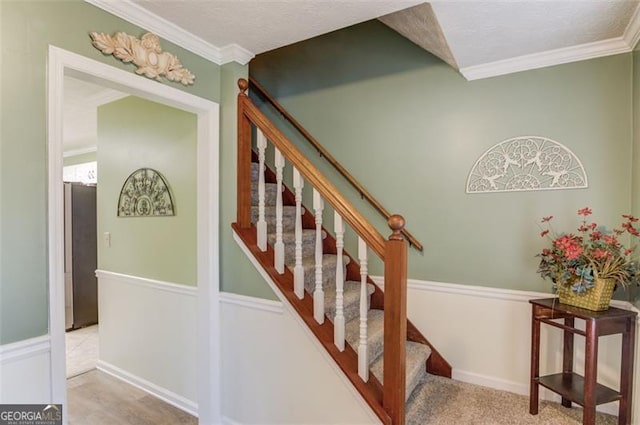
(596, 298)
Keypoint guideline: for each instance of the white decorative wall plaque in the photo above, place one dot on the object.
(526, 163)
(145, 193)
(145, 53)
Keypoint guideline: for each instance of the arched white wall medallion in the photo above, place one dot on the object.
(526, 163)
(146, 54)
(145, 193)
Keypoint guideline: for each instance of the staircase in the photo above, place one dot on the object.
(365, 330)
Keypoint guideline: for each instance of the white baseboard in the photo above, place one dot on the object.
(163, 394)
(490, 381)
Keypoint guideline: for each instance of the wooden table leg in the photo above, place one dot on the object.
(567, 354)
(535, 362)
(590, 373)
(626, 372)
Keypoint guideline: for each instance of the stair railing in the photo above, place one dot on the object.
(413, 241)
(392, 251)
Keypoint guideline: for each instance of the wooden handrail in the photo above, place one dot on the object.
(393, 251)
(334, 162)
(329, 192)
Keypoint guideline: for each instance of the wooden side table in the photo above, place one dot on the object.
(575, 388)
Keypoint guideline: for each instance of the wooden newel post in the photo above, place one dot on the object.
(244, 159)
(395, 321)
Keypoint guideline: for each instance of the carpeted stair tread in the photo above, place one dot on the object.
(375, 333)
(270, 192)
(289, 240)
(351, 303)
(288, 217)
(329, 263)
(255, 169)
(417, 355)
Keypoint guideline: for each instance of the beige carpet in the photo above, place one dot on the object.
(447, 402)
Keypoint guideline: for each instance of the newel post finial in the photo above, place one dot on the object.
(243, 85)
(396, 223)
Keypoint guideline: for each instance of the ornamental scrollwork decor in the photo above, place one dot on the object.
(525, 164)
(145, 193)
(146, 54)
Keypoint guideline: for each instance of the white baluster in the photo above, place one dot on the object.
(279, 245)
(363, 352)
(262, 223)
(318, 293)
(298, 271)
(338, 321)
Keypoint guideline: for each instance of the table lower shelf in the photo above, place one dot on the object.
(571, 386)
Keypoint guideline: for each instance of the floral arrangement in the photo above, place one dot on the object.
(594, 252)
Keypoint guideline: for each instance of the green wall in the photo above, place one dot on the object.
(410, 128)
(27, 28)
(135, 133)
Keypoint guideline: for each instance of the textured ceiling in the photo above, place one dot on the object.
(480, 38)
(259, 26)
(479, 32)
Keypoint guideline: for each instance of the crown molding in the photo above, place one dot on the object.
(632, 32)
(235, 53)
(137, 15)
(581, 52)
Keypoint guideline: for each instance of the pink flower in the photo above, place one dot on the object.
(611, 240)
(628, 251)
(601, 253)
(585, 211)
(573, 253)
(548, 218)
(544, 233)
(630, 218)
(592, 226)
(596, 236)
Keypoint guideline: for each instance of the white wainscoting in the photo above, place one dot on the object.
(275, 372)
(485, 334)
(148, 336)
(25, 371)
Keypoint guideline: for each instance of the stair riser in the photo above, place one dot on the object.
(328, 277)
(375, 336)
(308, 245)
(270, 191)
(288, 218)
(351, 311)
(351, 301)
(417, 355)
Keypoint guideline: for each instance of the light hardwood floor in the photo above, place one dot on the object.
(96, 398)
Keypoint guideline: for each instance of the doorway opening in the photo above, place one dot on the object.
(63, 63)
